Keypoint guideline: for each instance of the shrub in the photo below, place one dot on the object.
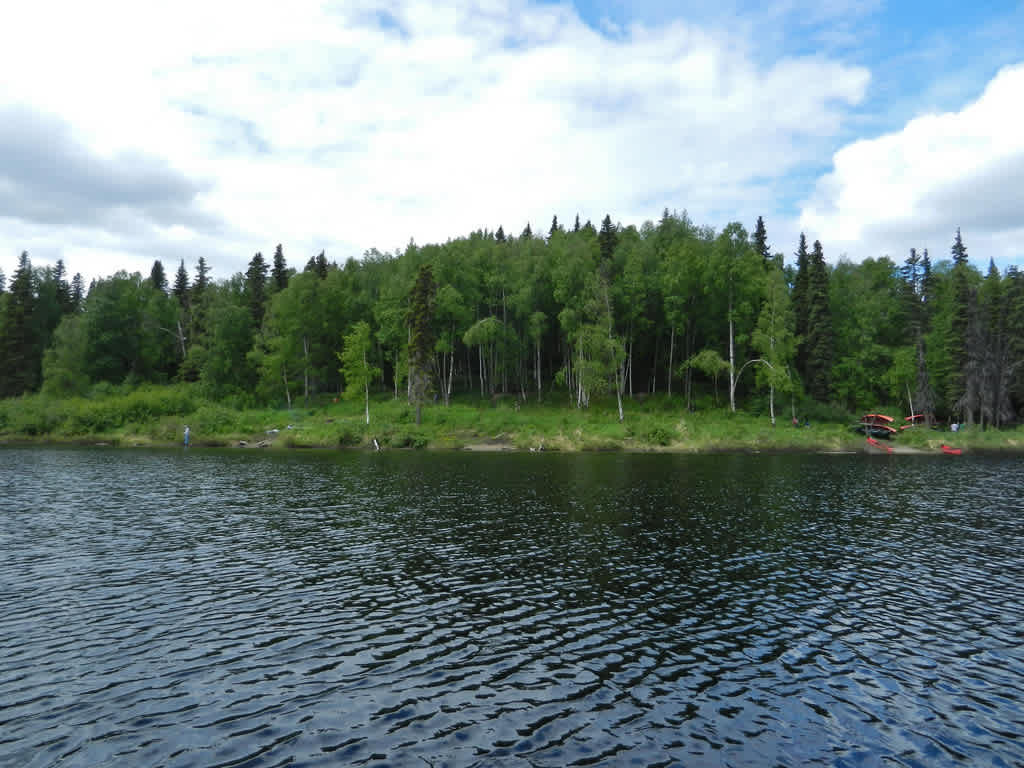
(660, 435)
(410, 439)
(349, 435)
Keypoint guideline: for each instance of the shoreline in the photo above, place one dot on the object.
(156, 416)
(492, 445)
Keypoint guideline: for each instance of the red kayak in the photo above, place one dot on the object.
(872, 441)
(950, 450)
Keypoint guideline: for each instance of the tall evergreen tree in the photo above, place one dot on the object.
(959, 334)
(499, 236)
(554, 226)
(1014, 328)
(63, 289)
(279, 273)
(959, 250)
(420, 319)
(3, 282)
(21, 356)
(157, 276)
(77, 293)
(256, 289)
(916, 276)
(991, 356)
(527, 232)
(202, 280)
(800, 296)
(820, 342)
(576, 225)
(607, 238)
(181, 285)
(760, 242)
(927, 283)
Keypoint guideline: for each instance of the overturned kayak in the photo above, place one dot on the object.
(951, 450)
(876, 444)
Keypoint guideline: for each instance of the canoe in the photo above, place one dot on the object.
(951, 450)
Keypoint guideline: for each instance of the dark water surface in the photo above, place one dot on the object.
(217, 608)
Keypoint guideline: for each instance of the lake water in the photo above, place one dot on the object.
(231, 608)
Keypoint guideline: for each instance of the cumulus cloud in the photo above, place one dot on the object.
(913, 188)
(49, 177)
(344, 127)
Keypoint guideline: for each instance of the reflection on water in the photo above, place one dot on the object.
(210, 608)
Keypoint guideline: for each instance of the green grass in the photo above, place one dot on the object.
(156, 415)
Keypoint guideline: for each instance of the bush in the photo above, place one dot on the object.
(408, 439)
(349, 435)
(661, 435)
(212, 419)
(813, 411)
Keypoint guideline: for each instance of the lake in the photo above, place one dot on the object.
(238, 608)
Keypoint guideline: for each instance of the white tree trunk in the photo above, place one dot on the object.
(732, 365)
(366, 391)
(671, 350)
(305, 369)
(538, 370)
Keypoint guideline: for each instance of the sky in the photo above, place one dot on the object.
(134, 131)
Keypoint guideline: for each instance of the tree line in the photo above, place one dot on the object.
(710, 318)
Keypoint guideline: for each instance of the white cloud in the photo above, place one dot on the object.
(353, 129)
(913, 188)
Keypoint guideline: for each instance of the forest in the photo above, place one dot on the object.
(709, 318)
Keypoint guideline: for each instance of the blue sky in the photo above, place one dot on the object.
(131, 132)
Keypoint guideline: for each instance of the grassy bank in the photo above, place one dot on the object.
(155, 415)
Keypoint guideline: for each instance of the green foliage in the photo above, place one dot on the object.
(65, 364)
(573, 319)
(421, 335)
(661, 435)
(356, 368)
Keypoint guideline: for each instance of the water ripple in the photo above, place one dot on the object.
(210, 608)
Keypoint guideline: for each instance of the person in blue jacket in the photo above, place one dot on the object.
(186, 436)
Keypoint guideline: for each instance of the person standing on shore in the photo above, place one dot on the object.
(186, 435)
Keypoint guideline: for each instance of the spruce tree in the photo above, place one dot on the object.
(607, 238)
(991, 353)
(420, 320)
(962, 306)
(77, 293)
(256, 289)
(527, 232)
(959, 250)
(21, 358)
(820, 342)
(279, 273)
(576, 225)
(3, 282)
(181, 285)
(62, 287)
(317, 264)
(500, 234)
(554, 226)
(760, 241)
(157, 276)
(801, 289)
(916, 275)
(202, 280)
(1015, 336)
